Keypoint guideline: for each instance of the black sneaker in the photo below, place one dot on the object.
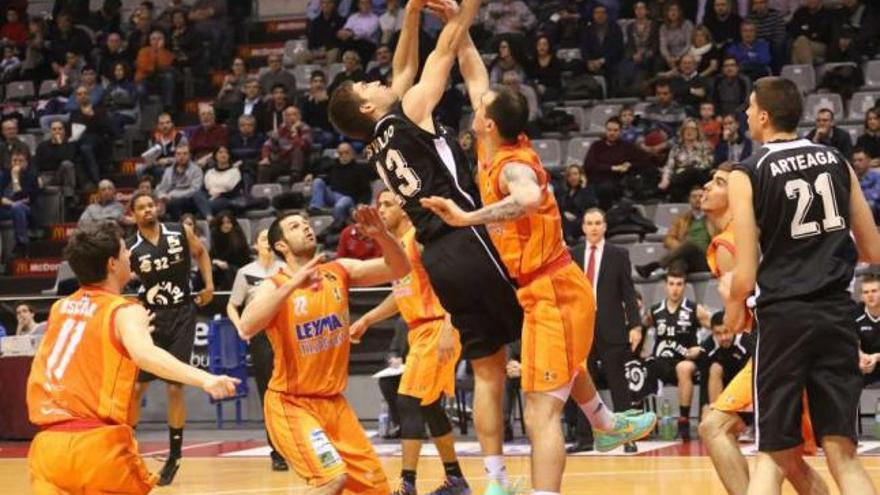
(647, 269)
(278, 462)
(169, 471)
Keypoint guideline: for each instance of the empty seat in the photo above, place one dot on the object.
(20, 91)
(600, 114)
(854, 131)
(860, 103)
(203, 230)
(291, 48)
(263, 224)
(269, 190)
(577, 150)
(667, 212)
(816, 102)
(246, 228)
(645, 252)
(320, 223)
(872, 74)
(802, 75)
(577, 113)
(333, 70)
(707, 295)
(302, 73)
(48, 88)
(549, 151)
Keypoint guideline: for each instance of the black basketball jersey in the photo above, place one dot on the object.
(416, 164)
(732, 358)
(163, 268)
(869, 331)
(676, 330)
(801, 201)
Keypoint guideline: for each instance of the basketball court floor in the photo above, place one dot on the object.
(235, 462)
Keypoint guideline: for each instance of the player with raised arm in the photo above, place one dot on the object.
(80, 388)
(525, 226)
(305, 313)
(801, 204)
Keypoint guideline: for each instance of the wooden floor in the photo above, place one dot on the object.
(584, 475)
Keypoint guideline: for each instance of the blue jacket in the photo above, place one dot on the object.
(30, 184)
(755, 56)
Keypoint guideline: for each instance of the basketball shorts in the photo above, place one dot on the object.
(663, 369)
(99, 460)
(557, 335)
(174, 329)
(472, 285)
(807, 346)
(322, 439)
(425, 377)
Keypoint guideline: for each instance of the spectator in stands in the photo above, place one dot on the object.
(689, 88)
(630, 131)
(752, 54)
(354, 244)
(391, 21)
(88, 79)
(26, 319)
(870, 139)
(11, 143)
(273, 116)
(829, 134)
(10, 64)
(96, 133)
(675, 35)
(686, 240)
(344, 185)
(275, 75)
(67, 38)
(189, 220)
(545, 70)
(710, 124)
(810, 32)
(287, 149)
(181, 187)
(512, 17)
(321, 33)
(689, 161)
(185, 44)
(121, 97)
(513, 81)
(361, 31)
(352, 69)
(665, 112)
(145, 185)
(869, 180)
(722, 355)
(68, 75)
(208, 135)
(731, 90)
(223, 183)
(867, 318)
(232, 91)
(110, 54)
(107, 19)
(641, 57)
(209, 18)
(154, 66)
(734, 145)
(36, 60)
(56, 160)
(19, 188)
(574, 199)
(382, 68)
(609, 160)
(770, 26)
(466, 138)
(505, 61)
(844, 48)
(723, 23)
(314, 109)
(229, 249)
(252, 104)
(246, 146)
(862, 19)
(139, 37)
(602, 45)
(13, 30)
(165, 139)
(105, 207)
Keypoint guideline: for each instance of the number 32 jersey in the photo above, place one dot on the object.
(416, 164)
(163, 268)
(800, 195)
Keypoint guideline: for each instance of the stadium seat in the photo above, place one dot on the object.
(860, 103)
(802, 75)
(303, 72)
(577, 150)
(824, 68)
(320, 223)
(267, 190)
(854, 131)
(203, 228)
(246, 228)
(488, 58)
(333, 70)
(816, 102)
(65, 272)
(20, 91)
(645, 252)
(601, 113)
(550, 152)
(872, 74)
(263, 224)
(227, 355)
(568, 54)
(49, 209)
(707, 295)
(667, 212)
(578, 114)
(291, 48)
(30, 140)
(48, 88)
(640, 108)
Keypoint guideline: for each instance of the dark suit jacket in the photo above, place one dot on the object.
(616, 307)
(259, 113)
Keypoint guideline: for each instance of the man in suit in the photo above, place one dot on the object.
(252, 104)
(618, 329)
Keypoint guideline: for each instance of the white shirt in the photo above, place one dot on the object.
(249, 106)
(600, 249)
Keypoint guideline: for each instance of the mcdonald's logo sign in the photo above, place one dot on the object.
(62, 231)
(36, 267)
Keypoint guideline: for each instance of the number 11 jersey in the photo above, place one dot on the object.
(800, 195)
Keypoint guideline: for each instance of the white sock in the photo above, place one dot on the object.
(495, 469)
(598, 413)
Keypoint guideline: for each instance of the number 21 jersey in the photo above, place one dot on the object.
(800, 195)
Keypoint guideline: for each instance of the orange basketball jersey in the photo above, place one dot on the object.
(413, 293)
(81, 370)
(309, 336)
(725, 238)
(530, 243)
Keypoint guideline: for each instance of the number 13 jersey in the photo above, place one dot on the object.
(415, 164)
(800, 195)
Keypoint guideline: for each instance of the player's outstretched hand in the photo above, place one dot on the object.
(444, 9)
(369, 222)
(306, 274)
(205, 296)
(357, 330)
(220, 387)
(447, 210)
(446, 348)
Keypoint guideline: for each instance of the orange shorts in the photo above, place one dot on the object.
(737, 397)
(559, 312)
(323, 439)
(99, 460)
(425, 377)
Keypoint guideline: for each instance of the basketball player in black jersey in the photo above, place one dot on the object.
(417, 158)
(801, 204)
(161, 256)
(868, 321)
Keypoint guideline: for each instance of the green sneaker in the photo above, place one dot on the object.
(495, 488)
(628, 427)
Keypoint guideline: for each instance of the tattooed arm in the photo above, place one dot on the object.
(522, 196)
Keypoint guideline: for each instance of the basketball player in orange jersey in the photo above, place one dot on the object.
(721, 425)
(305, 312)
(434, 350)
(524, 223)
(83, 375)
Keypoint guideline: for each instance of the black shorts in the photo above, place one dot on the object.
(472, 285)
(663, 369)
(174, 329)
(806, 345)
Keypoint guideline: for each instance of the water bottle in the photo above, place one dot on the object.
(383, 420)
(877, 419)
(667, 422)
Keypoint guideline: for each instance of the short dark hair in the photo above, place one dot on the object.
(614, 120)
(278, 85)
(89, 248)
(510, 112)
(725, 167)
(595, 210)
(318, 73)
(826, 110)
(717, 318)
(26, 305)
(141, 194)
(277, 234)
(145, 178)
(859, 149)
(675, 271)
(870, 278)
(663, 83)
(345, 113)
(781, 99)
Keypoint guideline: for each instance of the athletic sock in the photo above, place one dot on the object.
(495, 469)
(409, 476)
(684, 412)
(175, 439)
(452, 469)
(598, 413)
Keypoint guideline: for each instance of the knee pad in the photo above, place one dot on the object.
(412, 425)
(435, 417)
